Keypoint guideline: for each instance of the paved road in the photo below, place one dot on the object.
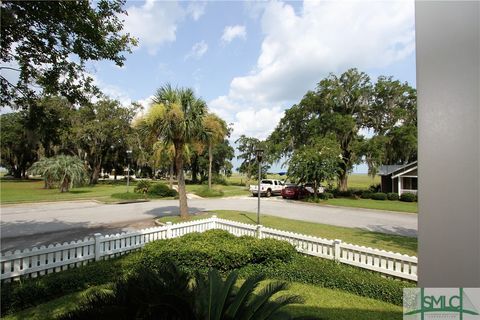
(27, 225)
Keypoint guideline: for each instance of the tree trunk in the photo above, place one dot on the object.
(171, 175)
(65, 186)
(95, 173)
(182, 193)
(210, 160)
(343, 181)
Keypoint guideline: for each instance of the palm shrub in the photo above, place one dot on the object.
(142, 186)
(219, 299)
(169, 293)
(64, 171)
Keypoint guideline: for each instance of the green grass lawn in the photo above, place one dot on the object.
(19, 191)
(320, 302)
(362, 181)
(228, 191)
(400, 244)
(411, 207)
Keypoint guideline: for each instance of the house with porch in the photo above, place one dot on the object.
(399, 178)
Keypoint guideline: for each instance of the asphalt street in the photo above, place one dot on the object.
(35, 224)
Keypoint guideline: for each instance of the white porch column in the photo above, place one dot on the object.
(399, 186)
(448, 82)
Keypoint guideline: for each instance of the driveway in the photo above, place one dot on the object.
(36, 224)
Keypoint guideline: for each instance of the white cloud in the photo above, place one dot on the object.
(196, 9)
(198, 50)
(154, 22)
(232, 32)
(301, 47)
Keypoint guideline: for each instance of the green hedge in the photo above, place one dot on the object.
(161, 190)
(392, 196)
(366, 195)
(19, 295)
(215, 249)
(330, 274)
(407, 197)
(379, 196)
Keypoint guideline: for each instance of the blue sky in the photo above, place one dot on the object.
(252, 60)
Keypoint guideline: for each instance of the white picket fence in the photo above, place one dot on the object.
(39, 261)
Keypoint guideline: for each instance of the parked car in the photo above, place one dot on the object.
(293, 191)
(268, 187)
(309, 187)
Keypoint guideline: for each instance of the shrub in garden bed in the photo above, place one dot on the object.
(330, 274)
(215, 249)
(392, 196)
(326, 195)
(379, 196)
(366, 195)
(407, 197)
(161, 190)
(18, 295)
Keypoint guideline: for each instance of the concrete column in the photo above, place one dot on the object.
(448, 73)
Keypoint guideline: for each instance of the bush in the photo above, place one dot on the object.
(379, 196)
(392, 196)
(143, 186)
(366, 195)
(208, 193)
(407, 197)
(215, 249)
(19, 295)
(330, 274)
(326, 195)
(375, 188)
(219, 179)
(161, 190)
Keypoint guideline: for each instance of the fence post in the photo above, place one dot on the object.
(97, 246)
(337, 250)
(169, 230)
(214, 222)
(259, 231)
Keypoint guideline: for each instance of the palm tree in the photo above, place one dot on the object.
(176, 117)
(216, 129)
(67, 171)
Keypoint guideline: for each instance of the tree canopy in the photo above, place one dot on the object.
(46, 44)
(345, 107)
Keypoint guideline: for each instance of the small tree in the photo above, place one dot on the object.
(315, 163)
(64, 171)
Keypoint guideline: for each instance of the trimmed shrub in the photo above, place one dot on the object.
(161, 190)
(143, 186)
(342, 194)
(392, 196)
(379, 196)
(30, 292)
(375, 188)
(330, 274)
(366, 195)
(215, 249)
(407, 197)
(326, 195)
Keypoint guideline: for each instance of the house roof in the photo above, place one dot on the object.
(396, 169)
